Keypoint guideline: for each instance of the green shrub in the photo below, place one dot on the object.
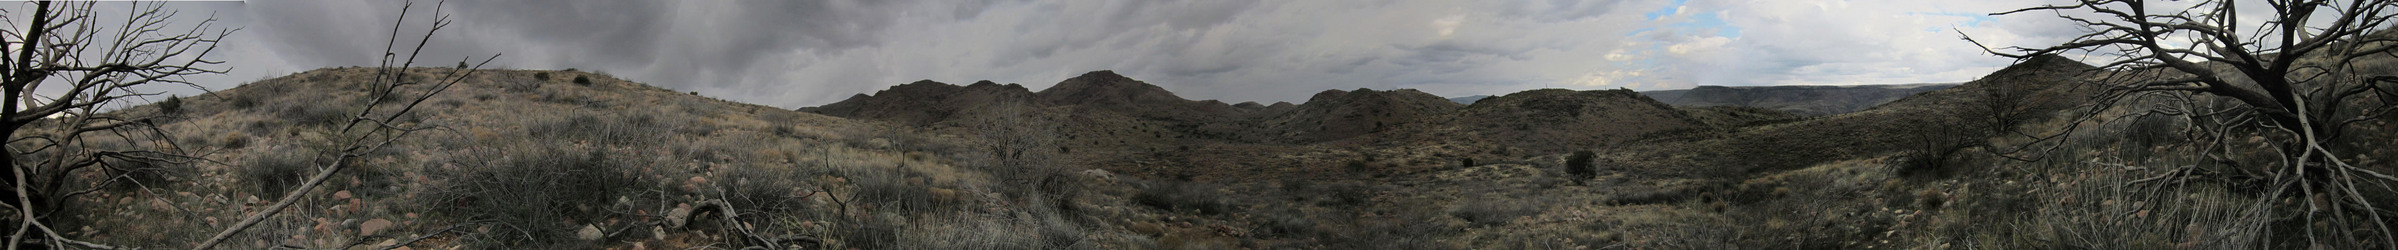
(173, 105)
(139, 173)
(315, 114)
(1181, 197)
(543, 76)
(1580, 166)
(889, 191)
(534, 191)
(235, 140)
(241, 101)
(273, 172)
(583, 80)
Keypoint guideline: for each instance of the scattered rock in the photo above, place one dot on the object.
(679, 215)
(370, 227)
(590, 233)
(1099, 174)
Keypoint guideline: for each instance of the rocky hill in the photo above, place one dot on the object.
(1554, 120)
(1334, 114)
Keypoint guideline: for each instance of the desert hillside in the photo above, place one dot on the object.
(2097, 125)
(540, 158)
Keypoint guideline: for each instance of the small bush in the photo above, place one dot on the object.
(532, 190)
(890, 191)
(273, 172)
(235, 140)
(144, 173)
(583, 80)
(1346, 195)
(1184, 197)
(1580, 166)
(544, 76)
(315, 115)
(173, 105)
(241, 101)
(785, 131)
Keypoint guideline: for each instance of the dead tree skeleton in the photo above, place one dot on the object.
(2291, 83)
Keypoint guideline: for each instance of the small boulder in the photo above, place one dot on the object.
(590, 233)
(675, 218)
(370, 227)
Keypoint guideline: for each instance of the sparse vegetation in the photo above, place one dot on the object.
(1182, 197)
(276, 172)
(582, 80)
(575, 185)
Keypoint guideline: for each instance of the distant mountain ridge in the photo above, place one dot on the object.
(1802, 100)
(1113, 111)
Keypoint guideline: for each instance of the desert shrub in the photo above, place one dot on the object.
(1580, 166)
(1403, 230)
(1182, 197)
(536, 192)
(617, 130)
(699, 128)
(140, 173)
(785, 131)
(868, 233)
(761, 188)
(315, 115)
(1492, 213)
(1346, 195)
(271, 173)
(890, 191)
(543, 76)
(583, 80)
(242, 101)
(235, 140)
(1287, 222)
(1357, 166)
(172, 105)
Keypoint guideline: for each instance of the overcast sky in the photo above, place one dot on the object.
(805, 53)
